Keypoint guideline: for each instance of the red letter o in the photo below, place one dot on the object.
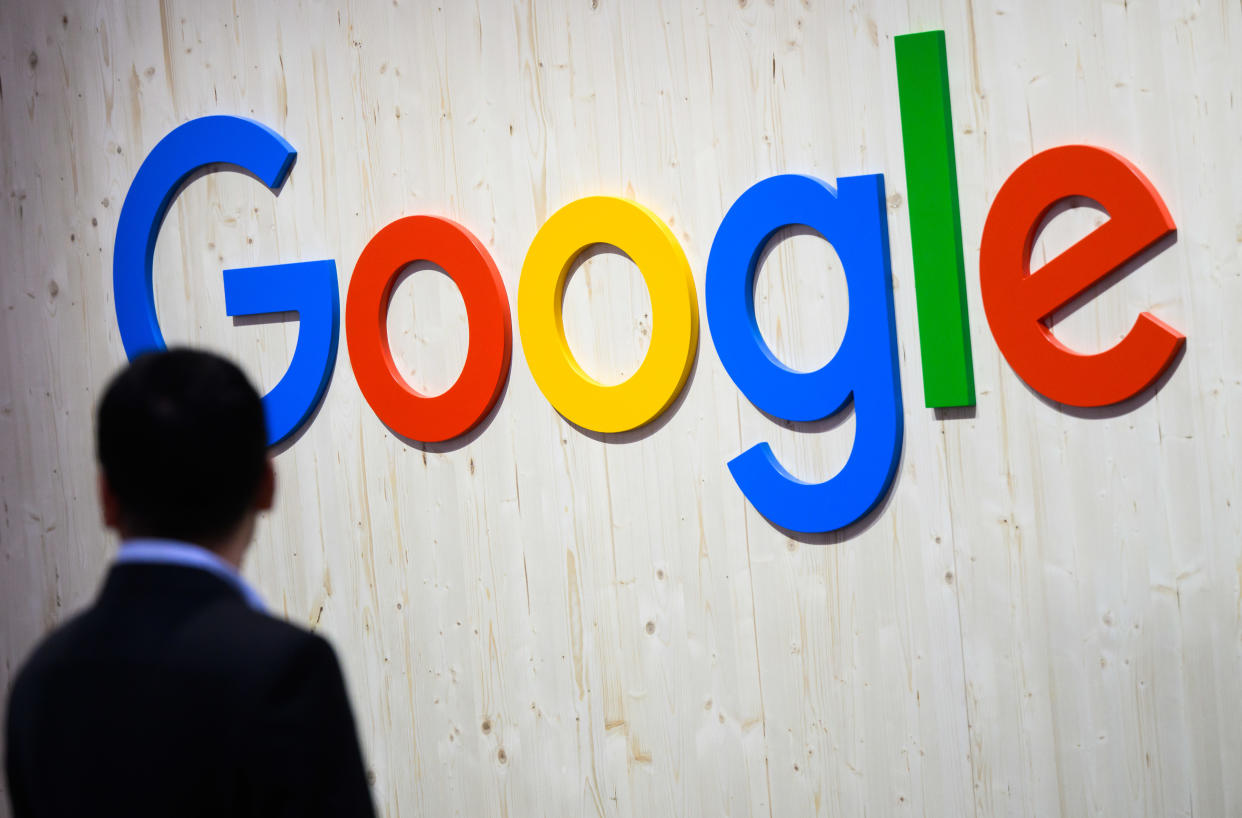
(468, 264)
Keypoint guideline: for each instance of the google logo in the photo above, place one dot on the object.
(850, 215)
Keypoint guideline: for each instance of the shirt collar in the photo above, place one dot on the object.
(175, 552)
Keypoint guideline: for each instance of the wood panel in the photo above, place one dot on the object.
(1044, 617)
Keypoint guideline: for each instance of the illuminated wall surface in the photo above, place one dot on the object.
(686, 541)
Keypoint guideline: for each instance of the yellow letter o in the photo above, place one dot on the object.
(674, 313)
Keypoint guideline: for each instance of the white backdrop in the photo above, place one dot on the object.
(1043, 619)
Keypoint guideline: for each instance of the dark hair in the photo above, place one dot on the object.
(182, 443)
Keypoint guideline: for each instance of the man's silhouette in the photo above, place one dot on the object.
(175, 694)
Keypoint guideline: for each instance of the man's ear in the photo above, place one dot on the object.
(110, 504)
(266, 495)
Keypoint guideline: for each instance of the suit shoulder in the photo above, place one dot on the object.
(257, 639)
(43, 662)
(62, 641)
(256, 626)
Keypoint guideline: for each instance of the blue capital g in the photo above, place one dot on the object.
(308, 288)
(865, 367)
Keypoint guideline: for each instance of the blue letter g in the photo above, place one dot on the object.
(853, 221)
(309, 288)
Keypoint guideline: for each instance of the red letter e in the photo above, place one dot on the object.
(1017, 302)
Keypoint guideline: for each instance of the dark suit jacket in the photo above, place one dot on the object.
(171, 697)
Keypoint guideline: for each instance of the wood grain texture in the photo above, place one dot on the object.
(1043, 619)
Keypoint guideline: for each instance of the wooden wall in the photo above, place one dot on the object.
(1044, 619)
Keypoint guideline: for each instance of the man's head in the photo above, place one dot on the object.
(182, 451)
